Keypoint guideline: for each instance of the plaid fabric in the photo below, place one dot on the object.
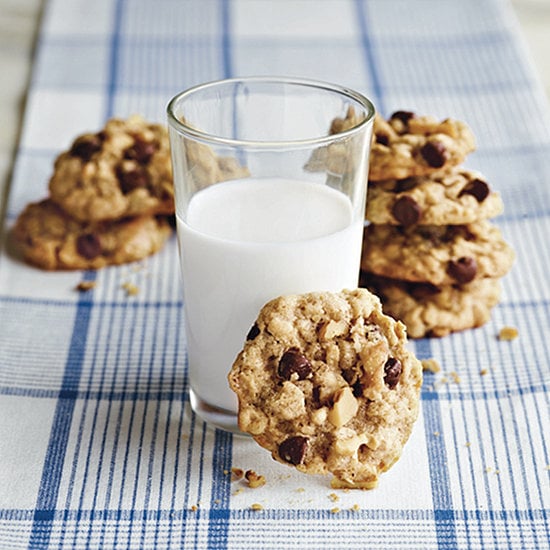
(98, 446)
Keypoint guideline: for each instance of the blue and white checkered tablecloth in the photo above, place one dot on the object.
(98, 447)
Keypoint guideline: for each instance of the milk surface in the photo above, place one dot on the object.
(245, 242)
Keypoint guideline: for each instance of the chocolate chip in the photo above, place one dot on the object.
(293, 449)
(478, 188)
(392, 372)
(403, 116)
(405, 184)
(434, 153)
(462, 270)
(171, 219)
(88, 245)
(357, 389)
(383, 139)
(141, 151)
(253, 332)
(85, 146)
(406, 211)
(293, 362)
(132, 179)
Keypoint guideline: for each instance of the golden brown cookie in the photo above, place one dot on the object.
(123, 170)
(325, 383)
(408, 145)
(50, 239)
(205, 168)
(436, 311)
(440, 255)
(457, 196)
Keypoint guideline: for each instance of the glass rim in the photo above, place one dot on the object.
(197, 134)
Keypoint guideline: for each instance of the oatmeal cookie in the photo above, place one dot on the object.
(338, 159)
(123, 170)
(49, 238)
(205, 167)
(408, 145)
(325, 383)
(435, 311)
(455, 197)
(436, 254)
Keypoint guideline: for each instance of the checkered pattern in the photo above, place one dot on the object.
(98, 446)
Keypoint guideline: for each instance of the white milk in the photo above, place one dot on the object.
(246, 242)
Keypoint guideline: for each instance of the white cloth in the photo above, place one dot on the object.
(98, 447)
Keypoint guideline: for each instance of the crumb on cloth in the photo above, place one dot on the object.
(85, 286)
(431, 365)
(508, 333)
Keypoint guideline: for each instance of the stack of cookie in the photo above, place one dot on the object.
(110, 195)
(430, 252)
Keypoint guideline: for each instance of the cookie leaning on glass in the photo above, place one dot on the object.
(326, 383)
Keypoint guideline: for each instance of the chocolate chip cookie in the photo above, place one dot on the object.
(440, 255)
(408, 145)
(435, 311)
(205, 167)
(123, 170)
(454, 197)
(49, 238)
(325, 383)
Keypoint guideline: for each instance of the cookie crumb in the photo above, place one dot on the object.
(256, 506)
(355, 508)
(334, 497)
(335, 510)
(254, 480)
(483, 372)
(85, 286)
(508, 333)
(467, 444)
(130, 288)
(455, 377)
(431, 365)
(236, 474)
(194, 508)
(437, 434)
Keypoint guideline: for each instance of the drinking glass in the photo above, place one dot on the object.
(270, 179)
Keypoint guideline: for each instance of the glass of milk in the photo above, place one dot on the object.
(270, 180)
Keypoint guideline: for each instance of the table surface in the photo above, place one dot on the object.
(97, 443)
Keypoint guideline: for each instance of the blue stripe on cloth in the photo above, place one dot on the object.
(218, 525)
(370, 60)
(226, 38)
(277, 514)
(444, 515)
(114, 58)
(61, 426)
